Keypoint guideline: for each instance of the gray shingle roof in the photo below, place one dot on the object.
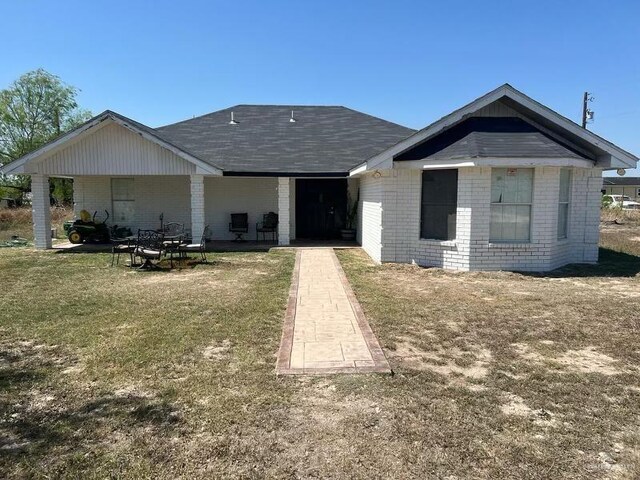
(490, 137)
(621, 181)
(323, 139)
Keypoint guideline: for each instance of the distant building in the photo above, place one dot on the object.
(629, 186)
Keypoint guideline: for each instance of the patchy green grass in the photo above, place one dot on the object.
(107, 372)
(505, 375)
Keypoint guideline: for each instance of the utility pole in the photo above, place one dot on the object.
(586, 113)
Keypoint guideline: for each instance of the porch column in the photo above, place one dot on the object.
(283, 211)
(197, 207)
(40, 206)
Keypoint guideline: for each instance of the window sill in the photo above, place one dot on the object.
(439, 243)
(510, 245)
(563, 241)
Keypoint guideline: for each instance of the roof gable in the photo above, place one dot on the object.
(491, 137)
(546, 120)
(95, 124)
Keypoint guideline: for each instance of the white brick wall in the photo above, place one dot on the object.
(227, 195)
(284, 208)
(370, 216)
(400, 191)
(154, 195)
(171, 195)
(198, 214)
(40, 210)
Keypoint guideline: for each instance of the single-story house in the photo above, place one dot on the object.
(503, 183)
(629, 186)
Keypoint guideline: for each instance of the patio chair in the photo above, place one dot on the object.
(173, 229)
(196, 247)
(239, 225)
(269, 224)
(173, 238)
(121, 246)
(150, 247)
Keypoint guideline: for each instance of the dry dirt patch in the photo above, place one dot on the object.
(588, 360)
(451, 362)
(585, 360)
(514, 405)
(217, 351)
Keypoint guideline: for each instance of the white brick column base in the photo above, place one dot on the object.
(41, 213)
(283, 211)
(197, 207)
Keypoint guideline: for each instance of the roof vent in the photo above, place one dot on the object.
(232, 122)
(292, 120)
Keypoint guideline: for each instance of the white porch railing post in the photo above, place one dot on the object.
(40, 206)
(197, 207)
(283, 211)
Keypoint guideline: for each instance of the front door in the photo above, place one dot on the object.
(321, 207)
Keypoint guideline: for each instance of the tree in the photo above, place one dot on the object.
(35, 109)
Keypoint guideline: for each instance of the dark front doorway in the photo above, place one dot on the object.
(321, 207)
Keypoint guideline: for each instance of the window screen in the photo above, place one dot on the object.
(123, 200)
(511, 199)
(563, 202)
(439, 203)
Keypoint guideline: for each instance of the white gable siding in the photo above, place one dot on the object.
(370, 216)
(114, 150)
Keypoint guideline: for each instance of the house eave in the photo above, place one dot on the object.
(230, 173)
(522, 162)
(619, 158)
(23, 164)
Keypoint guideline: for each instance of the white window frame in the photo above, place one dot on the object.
(564, 204)
(130, 199)
(502, 204)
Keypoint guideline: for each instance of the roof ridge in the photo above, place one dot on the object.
(287, 105)
(381, 119)
(293, 106)
(192, 118)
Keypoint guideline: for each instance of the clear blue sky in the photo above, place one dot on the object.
(406, 61)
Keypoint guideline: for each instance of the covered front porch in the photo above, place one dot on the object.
(310, 211)
(196, 201)
(135, 174)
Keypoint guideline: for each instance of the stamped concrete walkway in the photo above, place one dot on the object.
(325, 330)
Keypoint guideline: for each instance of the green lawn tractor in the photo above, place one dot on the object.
(86, 229)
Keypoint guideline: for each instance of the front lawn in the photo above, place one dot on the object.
(506, 375)
(111, 372)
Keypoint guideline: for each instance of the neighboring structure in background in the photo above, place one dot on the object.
(503, 183)
(629, 186)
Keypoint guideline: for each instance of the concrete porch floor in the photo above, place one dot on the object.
(217, 246)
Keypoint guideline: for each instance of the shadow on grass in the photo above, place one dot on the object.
(41, 419)
(611, 263)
